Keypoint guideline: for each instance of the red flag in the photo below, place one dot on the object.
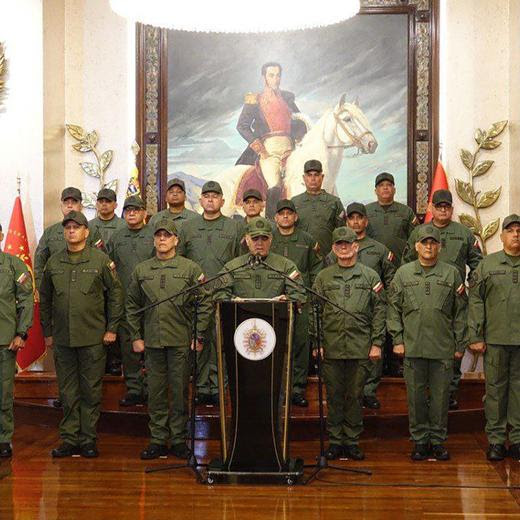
(17, 244)
(440, 182)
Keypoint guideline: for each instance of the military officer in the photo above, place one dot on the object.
(459, 248)
(390, 222)
(253, 205)
(298, 246)
(164, 333)
(427, 320)
(81, 304)
(176, 200)
(319, 212)
(16, 316)
(210, 240)
(52, 239)
(127, 247)
(378, 257)
(258, 281)
(106, 221)
(494, 329)
(350, 341)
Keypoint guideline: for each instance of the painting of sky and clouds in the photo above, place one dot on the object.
(364, 57)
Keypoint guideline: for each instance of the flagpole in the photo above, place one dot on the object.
(18, 183)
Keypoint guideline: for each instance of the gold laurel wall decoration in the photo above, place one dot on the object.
(87, 142)
(3, 73)
(486, 140)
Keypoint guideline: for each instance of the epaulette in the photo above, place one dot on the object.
(250, 99)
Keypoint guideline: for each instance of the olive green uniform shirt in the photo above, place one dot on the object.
(428, 311)
(302, 249)
(319, 215)
(494, 300)
(358, 290)
(81, 298)
(177, 218)
(375, 255)
(128, 247)
(106, 228)
(259, 281)
(459, 247)
(209, 243)
(16, 298)
(391, 225)
(52, 241)
(168, 324)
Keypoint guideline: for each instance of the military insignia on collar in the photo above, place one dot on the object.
(377, 287)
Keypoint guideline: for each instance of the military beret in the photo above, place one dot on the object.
(75, 216)
(71, 193)
(356, 207)
(442, 197)
(166, 224)
(343, 234)
(313, 165)
(134, 201)
(107, 193)
(285, 204)
(511, 219)
(211, 186)
(259, 226)
(385, 176)
(428, 231)
(176, 182)
(252, 193)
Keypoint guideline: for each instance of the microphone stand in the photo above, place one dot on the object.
(321, 461)
(191, 462)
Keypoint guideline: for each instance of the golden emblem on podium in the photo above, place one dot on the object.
(255, 339)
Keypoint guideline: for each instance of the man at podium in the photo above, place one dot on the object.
(258, 278)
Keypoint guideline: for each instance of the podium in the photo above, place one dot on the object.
(254, 348)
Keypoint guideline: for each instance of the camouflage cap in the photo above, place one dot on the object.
(442, 197)
(385, 176)
(343, 234)
(71, 193)
(259, 226)
(285, 204)
(213, 186)
(176, 182)
(252, 193)
(75, 216)
(313, 165)
(166, 224)
(511, 219)
(134, 201)
(107, 193)
(356, 207)
(428, 231)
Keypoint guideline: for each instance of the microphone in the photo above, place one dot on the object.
(254, 261)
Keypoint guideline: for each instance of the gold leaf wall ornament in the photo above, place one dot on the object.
(467, 191)
(87, 143)
(3, 73)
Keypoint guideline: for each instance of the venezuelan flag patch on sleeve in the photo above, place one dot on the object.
(23, 278)
(461, 289)
(390, 257)
(378, 287)
(294, 275)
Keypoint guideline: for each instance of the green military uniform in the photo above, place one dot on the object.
(127, 248)
(427, 313)
(347, 339)
(106, 228)
(302, 249)
(459, 248)
(16, 316)
(81, 298)
(177, 218)
(494, 317)
(378, 257)
(319, 215)
(166, 330)
(209, 243)
(52, 241)
(391, 225)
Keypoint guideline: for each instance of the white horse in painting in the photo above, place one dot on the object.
(342, 127)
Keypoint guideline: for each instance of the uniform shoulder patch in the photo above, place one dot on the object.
(461, 289)
(99, 244)
(476, 244)
(112, 266)
(390, 257)
(23, 278)
(378, 287)
(250, 99)
(415, 221)
(201, 278)
(294, 275)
